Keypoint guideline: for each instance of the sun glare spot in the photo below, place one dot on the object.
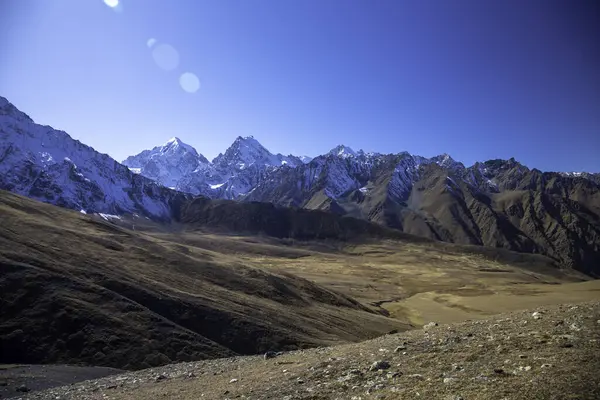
(166, 57)
(111, 3)
(189, 82)
(151, 42)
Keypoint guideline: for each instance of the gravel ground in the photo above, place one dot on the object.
(544, 353)
(40, 377)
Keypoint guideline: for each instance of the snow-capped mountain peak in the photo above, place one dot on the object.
(9, 110)
(243, 152)
(445, 161)
(343, 151)
(247, 151)
(304, 159)
(175, 144)
(169, 163)
(47, 164)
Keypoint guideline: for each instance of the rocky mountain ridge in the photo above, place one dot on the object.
(498, 203)
(230, 175)
(48, 165)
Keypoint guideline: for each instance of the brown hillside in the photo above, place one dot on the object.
(77, 289)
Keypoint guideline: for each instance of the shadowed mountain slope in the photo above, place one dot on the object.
(78, 289)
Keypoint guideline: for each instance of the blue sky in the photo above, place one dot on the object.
(474, 79)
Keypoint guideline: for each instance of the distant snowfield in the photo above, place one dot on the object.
(109, 217)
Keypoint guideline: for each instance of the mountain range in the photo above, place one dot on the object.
(498, 203)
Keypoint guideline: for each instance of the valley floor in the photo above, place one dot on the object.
(83, 289)
(543, 353)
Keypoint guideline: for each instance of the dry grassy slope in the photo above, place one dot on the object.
(383, 273)
(77, 289)
(513, 356)
(412, 281)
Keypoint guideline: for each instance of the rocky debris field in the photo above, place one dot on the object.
(543, 353)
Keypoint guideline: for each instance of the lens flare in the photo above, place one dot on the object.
(189, 82)
(111, 3)
(166, 57)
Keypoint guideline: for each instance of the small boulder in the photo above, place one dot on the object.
(379, 365)
(22, 389)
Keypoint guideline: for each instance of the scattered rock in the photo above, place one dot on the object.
(498, 370)
(234, 380)
(537, 315)
(270, 354)
(430, 325)
(160, 377)
(449, 380)
(521, 356)
(399, 349)
(379, 365)
(547, 365)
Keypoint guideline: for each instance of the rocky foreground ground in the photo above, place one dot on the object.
(545, 353)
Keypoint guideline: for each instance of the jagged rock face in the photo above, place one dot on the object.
(46, 164)
(167, 164)
(498, 203)
(177, 165)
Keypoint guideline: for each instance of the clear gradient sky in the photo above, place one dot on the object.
(476, 79)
